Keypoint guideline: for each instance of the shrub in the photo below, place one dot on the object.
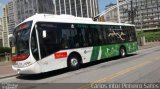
(4, 50)
(150, 36)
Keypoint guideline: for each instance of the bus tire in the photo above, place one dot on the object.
(122, 52)
(74, 62)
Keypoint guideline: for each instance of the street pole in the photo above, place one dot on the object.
(141, 20)
(118, 12)
(54, 3)
(143, 42)
(132, 12)
(37, 6)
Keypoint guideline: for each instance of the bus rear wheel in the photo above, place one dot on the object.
(74, 63)
(122, 52)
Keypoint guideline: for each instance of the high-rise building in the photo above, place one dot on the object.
(1, 31)
(79, 8)
(145, 13)
(5, 32)
(11, 20)
(26, 8)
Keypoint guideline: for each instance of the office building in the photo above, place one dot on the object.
(26, 8)
(11, 20)
(5, 31)
(146, 13)
(79, 8)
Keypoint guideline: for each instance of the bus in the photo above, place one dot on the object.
(45, 42)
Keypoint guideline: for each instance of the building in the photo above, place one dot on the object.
(78, 8)
(121, 1)
(111, 15)
(110, 5)
(5, 31)
(1, 31)
(146, 13)
(26, 8)
(11, 20)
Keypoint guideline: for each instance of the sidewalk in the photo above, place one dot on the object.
(6, 68)
(149, 45)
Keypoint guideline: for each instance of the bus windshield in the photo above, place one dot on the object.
(20, 47)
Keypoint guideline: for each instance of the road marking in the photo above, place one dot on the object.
(9, 76)
(114, 75)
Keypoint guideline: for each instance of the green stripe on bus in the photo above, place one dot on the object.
(112, 50)
(109, 51)
(131, 47)
(95, 53)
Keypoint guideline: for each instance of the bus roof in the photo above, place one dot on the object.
(68, 19)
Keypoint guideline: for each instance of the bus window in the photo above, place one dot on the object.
(69, 36)
(130, 34)
(84, 38)
(50, 43)
(106, 32)
(94, 35)
(100, 36)
(65, 38)
(83, 34)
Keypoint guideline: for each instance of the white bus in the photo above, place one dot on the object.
(47, 42)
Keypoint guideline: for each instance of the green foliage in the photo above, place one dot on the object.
(2, 59)
(3, 50)
(150, 36)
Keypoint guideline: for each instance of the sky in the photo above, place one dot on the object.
(2, 3)
(102, 4)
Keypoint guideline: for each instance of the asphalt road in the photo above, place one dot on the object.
(143, 67)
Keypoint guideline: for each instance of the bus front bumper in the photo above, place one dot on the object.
(32, 69)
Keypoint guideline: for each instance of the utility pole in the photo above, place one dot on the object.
(132, 12)
(118, 12)
(54, 3)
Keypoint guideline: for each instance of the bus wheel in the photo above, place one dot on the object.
(122, 52)
(73, 63)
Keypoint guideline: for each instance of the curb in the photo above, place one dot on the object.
(8, 76)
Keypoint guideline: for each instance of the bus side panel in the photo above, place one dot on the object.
(131, 47)
(51, 63)
(110, 51)
(86, 53)
(95, 53)
(107, 51)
